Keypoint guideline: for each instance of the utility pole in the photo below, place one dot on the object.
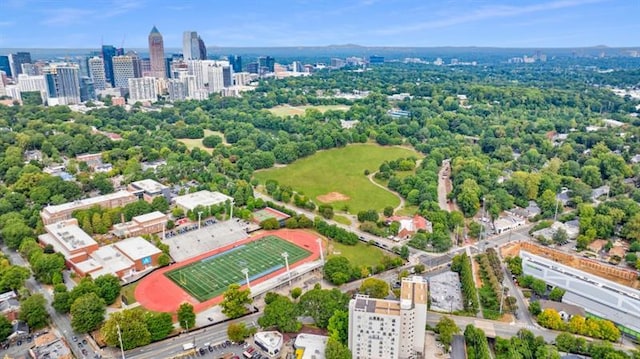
(120, 340)
(199, 218)
(555, 215)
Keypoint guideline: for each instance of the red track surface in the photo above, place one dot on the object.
(158, 293)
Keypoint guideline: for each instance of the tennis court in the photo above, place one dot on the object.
(210, 277)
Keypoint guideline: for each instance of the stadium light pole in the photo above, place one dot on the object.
(285, 255)
(199, 218)
(319, 240)
(245, 271)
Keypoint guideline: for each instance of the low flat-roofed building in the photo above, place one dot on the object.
(69, 239)
(205, 198)
(271, 342)
(49, 346)
(107, 260)
(310, 346)
(140, 251)
(507, 223)
(149, 223)
(52, 214)
(149, 189)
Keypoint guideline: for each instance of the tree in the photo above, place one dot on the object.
(560, 237)
(270, 223)
(539, 286)
(337, 270)
(374, 287)
(132, 326)
(296, 292)
(446, 329)
(13, 278)
(5, 328)
(320, 304)
(14, 232)
(34, 312)
(87, 313)
(388, 211)
(336, 350)
(46, 265)
(186, 316)
(108, 287)
(550, 318)
(164, 260)
(159, 325)
(62, 301)
(535, 308)
(211, 141)
(238, 332)
(235, 301)
(280, 313)
(339, 326)
(160, 204)
(556, 294)
(419, 268)
(370, 215)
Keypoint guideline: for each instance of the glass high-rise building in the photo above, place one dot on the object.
(16, 60)
(156, 54)
(97, 73)
(5, 65)
(108, 52)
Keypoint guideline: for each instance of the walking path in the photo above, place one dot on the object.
(402, 201)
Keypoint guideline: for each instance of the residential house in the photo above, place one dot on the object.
(9, 305)
(566, 311)
(507, 223)
(410, 225)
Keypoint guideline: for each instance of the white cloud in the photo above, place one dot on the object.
(66, 16)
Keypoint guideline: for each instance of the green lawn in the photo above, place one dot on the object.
(128, 292)
(210, 277)
(285, 110)
(342, 219)
(361, 254)
(341, 170)
(197, 142)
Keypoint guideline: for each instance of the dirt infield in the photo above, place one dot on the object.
(333, 197)
(158, 293)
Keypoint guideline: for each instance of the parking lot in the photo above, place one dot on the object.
(188, 241)
(444, 290)
(225, 350)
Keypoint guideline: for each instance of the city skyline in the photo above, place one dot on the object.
(487, 23)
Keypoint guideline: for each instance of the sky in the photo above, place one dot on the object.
(267, 23)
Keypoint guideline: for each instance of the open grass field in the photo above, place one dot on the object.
(286, 110)
(210, 277)
(128, 291)
(341, 170)
(197, 142)
(361, 254)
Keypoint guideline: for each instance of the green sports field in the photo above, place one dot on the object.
(210, 277)
(341, 170)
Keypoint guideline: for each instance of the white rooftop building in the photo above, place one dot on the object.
(205, 198)
(312, 346)
(270, 342)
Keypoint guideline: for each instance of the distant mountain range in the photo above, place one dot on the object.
(344, 50)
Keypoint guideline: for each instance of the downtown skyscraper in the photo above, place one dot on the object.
(156, 54)
(193, 47)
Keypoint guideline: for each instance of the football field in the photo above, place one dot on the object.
(210, 277)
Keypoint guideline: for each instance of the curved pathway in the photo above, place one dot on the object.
(402, 201)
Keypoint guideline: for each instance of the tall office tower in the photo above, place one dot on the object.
(253, 67)
(190, 48)
(87, 89)
(389, 329)
(177, 90)
(216, 79)
(16, 60)
(156, 54)
(5, 65)
(97, 74)
(145, 67)
(63, 84)
(203, 49)
(30, 69)
(124, 68)
(267, 63)
(227, 76)
(236, 62)
(108, 52)
(197, 69)
(143, 89)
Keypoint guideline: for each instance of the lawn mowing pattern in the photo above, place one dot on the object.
(210, 277)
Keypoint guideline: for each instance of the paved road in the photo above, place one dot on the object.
(364, 236)
(58, 321)
(171, 347)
